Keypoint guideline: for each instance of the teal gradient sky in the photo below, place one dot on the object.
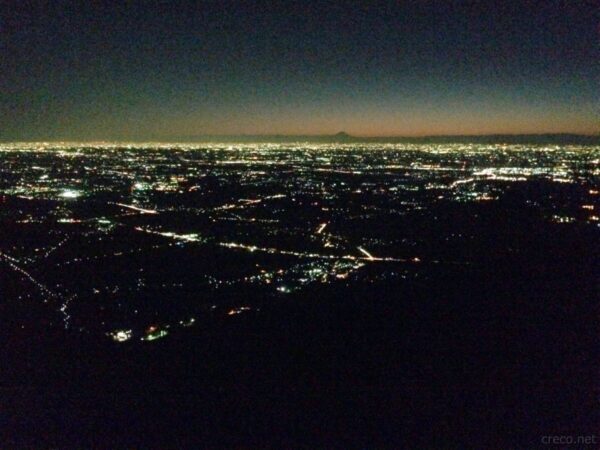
(165, 70)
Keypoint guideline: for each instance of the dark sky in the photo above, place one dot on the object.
(134, 70)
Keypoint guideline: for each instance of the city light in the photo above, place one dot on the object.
(153, 228)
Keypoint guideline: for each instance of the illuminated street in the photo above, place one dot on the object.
(114, 237)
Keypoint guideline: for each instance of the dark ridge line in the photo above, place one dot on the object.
(343, 137)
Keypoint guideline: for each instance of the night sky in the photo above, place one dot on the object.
(167, 70)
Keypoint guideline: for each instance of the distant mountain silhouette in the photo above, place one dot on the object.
(342, 136)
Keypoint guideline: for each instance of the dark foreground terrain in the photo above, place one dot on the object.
(498, 356)
(299, 297)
